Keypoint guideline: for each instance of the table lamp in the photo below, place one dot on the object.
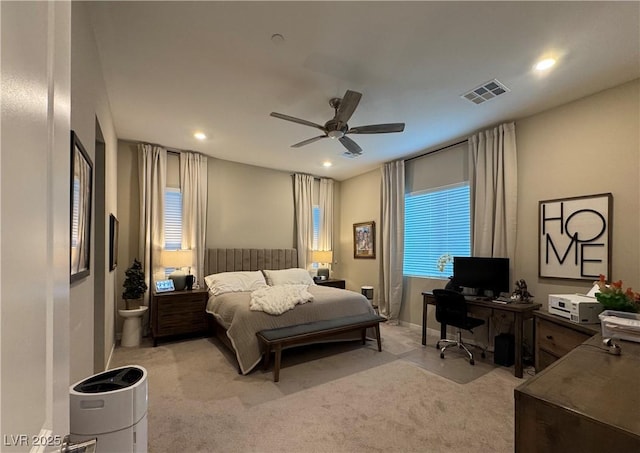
(178, 259)
(322, 257)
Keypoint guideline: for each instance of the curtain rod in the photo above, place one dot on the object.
(169, 150)
(437, 150)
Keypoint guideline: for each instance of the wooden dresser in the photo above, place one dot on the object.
(178, 313)
(585, 402)
(556, 336)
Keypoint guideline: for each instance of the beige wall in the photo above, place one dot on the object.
(585, 147)
(359, 202)
(249, 206)
(88, 102)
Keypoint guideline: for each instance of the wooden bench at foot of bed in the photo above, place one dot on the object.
(278, 338)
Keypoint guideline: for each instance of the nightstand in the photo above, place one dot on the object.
(178, 313)
(334, 282)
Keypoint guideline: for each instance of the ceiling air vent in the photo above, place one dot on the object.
(485, 92)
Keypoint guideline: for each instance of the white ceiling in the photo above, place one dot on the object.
(173, 68)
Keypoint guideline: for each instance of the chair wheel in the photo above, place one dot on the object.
(442, 355)
(472, 362)
(483, 355)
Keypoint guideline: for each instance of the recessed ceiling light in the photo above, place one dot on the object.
(545, 64)
(199, 135)
(327, 164)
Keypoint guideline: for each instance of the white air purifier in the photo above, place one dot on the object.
(112, 407)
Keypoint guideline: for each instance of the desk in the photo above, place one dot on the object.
(586, 401)
(522, 312)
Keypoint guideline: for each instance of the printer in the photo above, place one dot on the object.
(575, 307)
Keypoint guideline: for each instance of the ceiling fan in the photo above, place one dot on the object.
(337, 127)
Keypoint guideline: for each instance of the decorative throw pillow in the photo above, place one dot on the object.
(228, 282)
(293, 276)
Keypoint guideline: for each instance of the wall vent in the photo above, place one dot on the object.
(485, 92)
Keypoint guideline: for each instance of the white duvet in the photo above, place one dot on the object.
(278, 299)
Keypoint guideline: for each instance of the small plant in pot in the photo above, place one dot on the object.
(134, 285)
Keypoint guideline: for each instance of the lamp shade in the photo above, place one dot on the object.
(176, 258)
(322, 256)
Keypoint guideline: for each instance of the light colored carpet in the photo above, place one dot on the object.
(330, 398)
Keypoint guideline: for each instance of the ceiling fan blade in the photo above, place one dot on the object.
(351, 146)
(309, 140)
(347, 106)
(296, 120)
(377, 128)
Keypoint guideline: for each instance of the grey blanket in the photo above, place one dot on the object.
(232, 311)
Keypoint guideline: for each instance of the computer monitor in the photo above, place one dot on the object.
(482, 274)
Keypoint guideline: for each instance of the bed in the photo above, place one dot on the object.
(236, 325)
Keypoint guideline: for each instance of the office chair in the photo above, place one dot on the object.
(451, 309)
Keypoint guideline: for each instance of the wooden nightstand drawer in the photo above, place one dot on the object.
(178, 313)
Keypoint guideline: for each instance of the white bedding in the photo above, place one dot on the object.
(275, 300)
(232, 310)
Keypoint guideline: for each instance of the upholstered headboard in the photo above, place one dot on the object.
(233, 260)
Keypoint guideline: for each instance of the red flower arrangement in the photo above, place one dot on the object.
(612, 297)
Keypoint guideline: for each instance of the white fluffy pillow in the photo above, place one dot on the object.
(228, 282)
(293, 276)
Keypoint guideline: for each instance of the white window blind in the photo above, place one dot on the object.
(75, 216)
(172, 219)
(316, 226)
(437, 222)
(316, 230)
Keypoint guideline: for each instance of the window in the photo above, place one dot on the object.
(172, 222)
(172, 219)
(316, 231)
(437, 222)
(75, 217)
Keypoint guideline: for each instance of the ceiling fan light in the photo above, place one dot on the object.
(335, 134)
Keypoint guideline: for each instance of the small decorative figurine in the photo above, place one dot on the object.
(521, 293)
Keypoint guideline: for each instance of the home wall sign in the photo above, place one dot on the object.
(574, 237)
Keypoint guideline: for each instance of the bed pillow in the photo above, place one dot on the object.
(293, 276)
(229, 282)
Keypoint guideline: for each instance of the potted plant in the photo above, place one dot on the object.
(134, 284)
(612, 297)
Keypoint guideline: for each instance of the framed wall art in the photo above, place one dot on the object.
(574, 237)
(81, 192)
(113, 242)
(364, 240)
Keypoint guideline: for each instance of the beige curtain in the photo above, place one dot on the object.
(303, 199)
(392, 239)
(193, 185)
(325, 202)
(493, 177)
(152, 169)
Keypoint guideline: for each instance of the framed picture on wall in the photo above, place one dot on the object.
(364, 240)
(574, 237)
(113, 242)
(81, 189)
